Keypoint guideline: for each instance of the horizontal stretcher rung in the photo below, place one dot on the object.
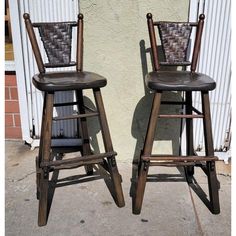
(64, 104)
(78, 160)
(190, 23)
(166, 163)
(50, 65)
(72, 104)
(179, 158)
(75, 165)
(72, 23)
(76, 116)
(181, 116)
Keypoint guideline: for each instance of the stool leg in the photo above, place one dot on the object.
(149, 139)
(84, 129)
(38, 177)
(115, 176)
(44, 155)
(212, 178)
(189, 170)
(39, 157)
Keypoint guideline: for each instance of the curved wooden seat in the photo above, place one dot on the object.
(68, 80)
(179, 81)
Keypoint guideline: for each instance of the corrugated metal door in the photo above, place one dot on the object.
(40, 11)
(215, 61)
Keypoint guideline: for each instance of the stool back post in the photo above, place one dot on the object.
(153, 42)
(35, 47)
(79, 54)
(197, 43)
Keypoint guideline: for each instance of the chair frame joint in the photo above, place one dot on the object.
(45, 172)
(145, 165)
(113, 161)
(212, 166)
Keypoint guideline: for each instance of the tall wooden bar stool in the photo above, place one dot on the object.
(175, 38)
(57, 38)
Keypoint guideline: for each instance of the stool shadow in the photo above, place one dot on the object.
(55, 182)
(182, 178)
(200, 193)
(166, 177)
(107, 179)
(99, 173)
(93, 126)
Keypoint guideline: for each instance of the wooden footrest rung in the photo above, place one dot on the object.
(84, 160)
(181, 116)
(173, 163)
(178, 158)
(65, 104)
(76, 116)
(76, 165)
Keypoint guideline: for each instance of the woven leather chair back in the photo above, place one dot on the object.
(57, 42)
(56, 38)
(175, 39)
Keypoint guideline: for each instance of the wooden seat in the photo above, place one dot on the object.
(56, 38)
(179, 81)
(175, 44)
(69, 80)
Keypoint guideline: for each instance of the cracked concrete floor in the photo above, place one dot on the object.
(84, 207)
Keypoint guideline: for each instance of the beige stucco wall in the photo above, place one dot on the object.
(113, 31)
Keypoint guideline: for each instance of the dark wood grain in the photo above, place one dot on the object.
(211, 169)
(115, 176)
(152, 37)
(147, 149)
(34, 43)
(197, 43)
(79, 54)
(45, 152)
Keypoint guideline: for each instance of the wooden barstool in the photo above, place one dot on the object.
(175, 40)
(56, 38)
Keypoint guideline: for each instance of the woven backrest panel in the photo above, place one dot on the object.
(56, 38)
(175, 39)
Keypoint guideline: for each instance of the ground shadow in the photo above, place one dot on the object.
(166, 177)
(193, 184)
(200, 193)
(99, 173)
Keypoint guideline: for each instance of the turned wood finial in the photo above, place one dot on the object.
(80, 16)
(202, 17)
(197, 43)
(26, 16)
(149, 15)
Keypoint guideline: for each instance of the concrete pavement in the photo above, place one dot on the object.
(84, 206)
